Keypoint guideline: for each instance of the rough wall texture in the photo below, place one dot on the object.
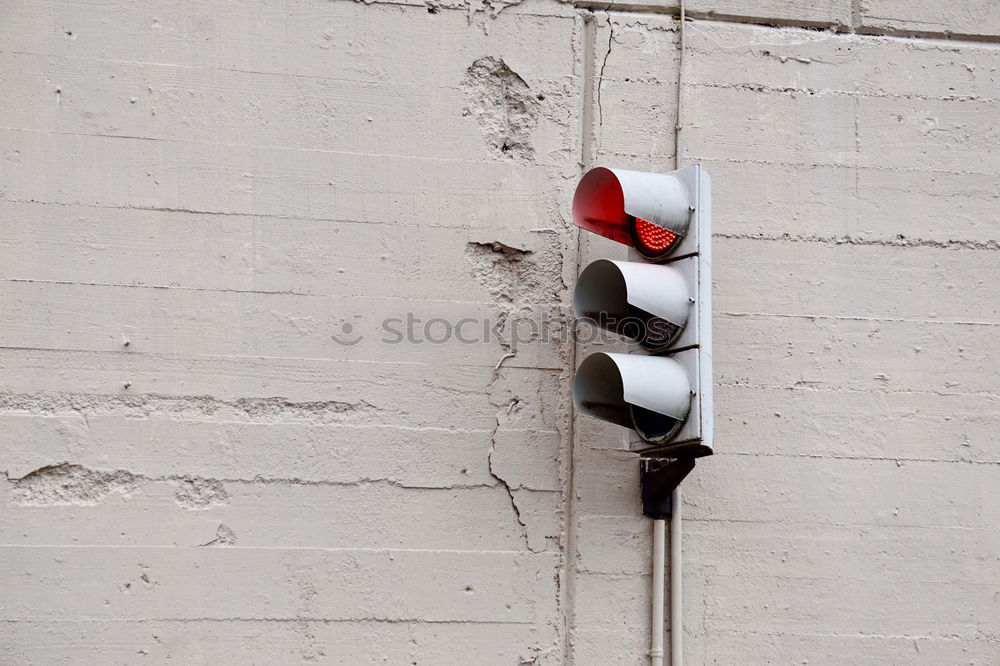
(242, 424)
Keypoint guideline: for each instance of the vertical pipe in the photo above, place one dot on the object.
(676, 620)
(659, 552)
(680, 86)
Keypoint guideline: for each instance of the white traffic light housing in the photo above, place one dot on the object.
(663, 392)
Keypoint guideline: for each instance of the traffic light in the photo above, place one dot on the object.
(662, 390)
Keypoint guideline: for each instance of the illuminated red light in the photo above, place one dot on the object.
(651, 239)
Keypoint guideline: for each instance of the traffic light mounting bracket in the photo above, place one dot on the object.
(658, 478)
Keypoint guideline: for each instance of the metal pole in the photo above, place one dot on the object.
(659, 552)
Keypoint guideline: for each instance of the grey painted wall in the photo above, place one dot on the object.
(216, 449)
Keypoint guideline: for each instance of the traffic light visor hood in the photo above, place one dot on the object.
(650, 211)
(646, 302)
(649, 393)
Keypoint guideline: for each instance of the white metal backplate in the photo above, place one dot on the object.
(693, 349)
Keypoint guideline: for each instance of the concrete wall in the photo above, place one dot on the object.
(215, 453)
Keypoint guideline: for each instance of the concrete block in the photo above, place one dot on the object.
(809, 491)
(615, 545)
(850, 606)
(728, 646)
(278, 182)
(276, 389)
(857, 280)
(968, 17)
(155, 583)
(901, 425)
(272, 640)
(262, 514)
(856, 354)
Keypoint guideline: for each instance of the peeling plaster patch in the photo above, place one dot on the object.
(196, 493)
(144, 578)
(65, 484)
(495, 6)
(518, 280)
(515, 275)
(472, 7)
(498, 267)
(259, 408)
(504, 105)
(267, 410)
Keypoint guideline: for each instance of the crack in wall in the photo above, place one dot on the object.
(511, 405)
(65, 484)
(604, 63)
(519, 280)
(531, 503)
(510, 491)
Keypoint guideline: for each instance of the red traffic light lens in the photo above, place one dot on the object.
(651, 240)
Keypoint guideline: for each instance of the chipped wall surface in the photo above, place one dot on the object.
(287, 348)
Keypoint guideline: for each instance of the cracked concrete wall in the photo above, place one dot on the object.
(221, 445)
